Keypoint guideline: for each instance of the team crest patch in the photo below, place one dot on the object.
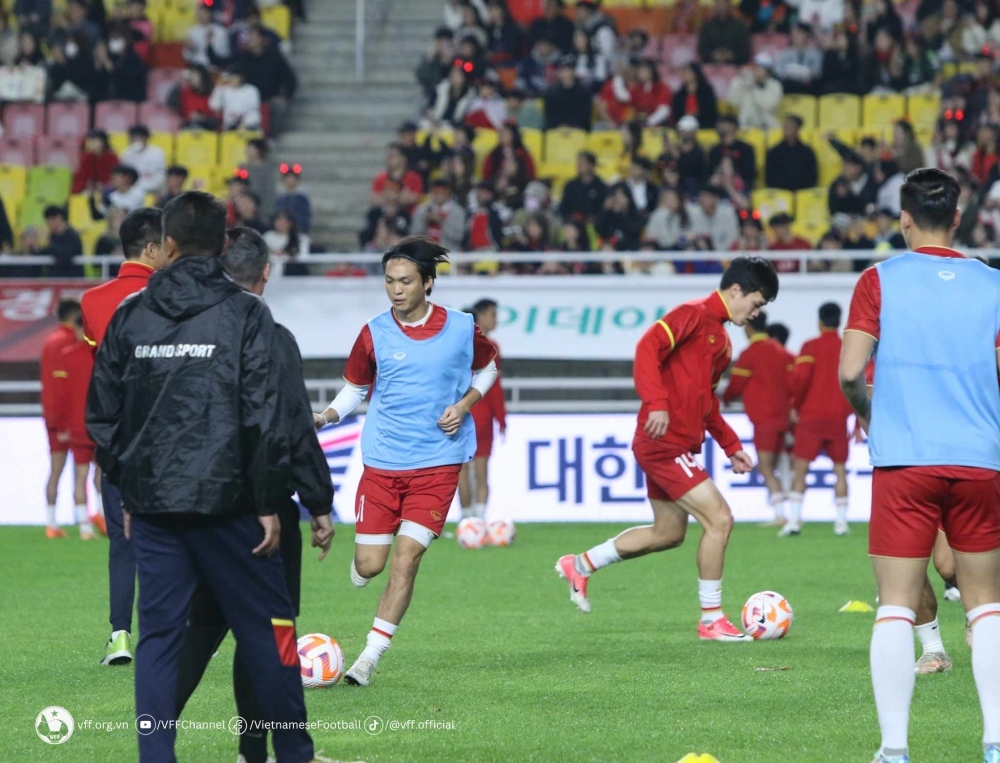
(711, 339)
(945, 275)
(399, 355)
(436, 515)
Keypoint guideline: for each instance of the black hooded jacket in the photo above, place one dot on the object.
(183, 395)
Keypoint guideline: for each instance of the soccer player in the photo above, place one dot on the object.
(61, 337)
(491, 408)
(822, 419)
(140, 234)
(678, 363)
(760, 376)
(429, 365)
(934, 438)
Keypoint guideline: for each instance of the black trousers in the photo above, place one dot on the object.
(121, 560)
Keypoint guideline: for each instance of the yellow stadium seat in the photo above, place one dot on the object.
(80, 215)
(923, 111)
(609, 171)
(812, 206)
(89, 237)
(839, 110)
(445, 135)
(758, 142)
(652, 143)
(197, 148)
(534, 142)
(803, 106)
(771, 201)
(811, 231)
(607, 146)
(882, 109)
(883, 134)
(13, 185)
(279, 18)
(707, 139)
(201, 177)
(118, 142)
(829, 161)
(174, 23)
(233, 147)
(563, 144)
(165, 141)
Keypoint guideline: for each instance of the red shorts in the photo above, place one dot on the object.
(83, 451)
(769, 436)
(910, 504)
(484, 438)
(54, 445)
(386, 498)
(668, 477)
(815, 437)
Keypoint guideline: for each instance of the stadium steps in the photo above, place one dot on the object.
(339, 127)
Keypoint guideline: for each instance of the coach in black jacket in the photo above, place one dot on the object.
(180, 403)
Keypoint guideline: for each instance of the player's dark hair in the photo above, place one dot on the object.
(930, 197)
(139, 228)
(196, 221)
(779, 332)
(829, 314)
(245, 257)
(752, 274)
(482, 306)
(423, 252)
(67, 309)
(758, 322)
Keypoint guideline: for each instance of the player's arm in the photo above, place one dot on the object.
(60, 382)
(259, 381)
(802, 375)
(88, 332)
(854, 356)
(717, 426)
(652, 351)
(500, 409)
(738, 379)
(359, 375)
(484, 358)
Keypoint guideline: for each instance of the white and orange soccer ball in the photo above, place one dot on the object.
(767, 615)
(471, 532)
(321, 660)
(500, 532)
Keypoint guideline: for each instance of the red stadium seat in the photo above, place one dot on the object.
(19, 152)
(64, 152)
(769, 43)
(161, 82)
(678, 50)
(169, 55)
(158, 118)
(672, 78)
(721, 77)
(115, 116)
(23, 120)
(67, 120)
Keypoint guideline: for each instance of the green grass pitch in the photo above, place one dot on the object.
(492, 646)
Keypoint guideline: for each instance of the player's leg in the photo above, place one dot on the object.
(767, 465)
(841, 501)
(97, 477)
(81, 471)
(377, 507)
(206, 628)
(934, 658)
(944, 563)
(480, 469)
(465, 490)
(121, 578)
(706, 504)
(58, 454)
(800, 468)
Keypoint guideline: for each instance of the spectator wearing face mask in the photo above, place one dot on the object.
(72, 75)
(147, 160)
(207, 41)
(121, 74)
(77, 25)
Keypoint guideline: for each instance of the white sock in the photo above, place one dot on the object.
(359, 580)
(468, 511)
(114, 634)
(50, 515)
(83, 518)
(710, 597)
(842, 504)
(985, 621)
(777, 502)
(379, 639)
(597, 557)
(479, 510)
(795, 508)
(893, 677)
(930, 638)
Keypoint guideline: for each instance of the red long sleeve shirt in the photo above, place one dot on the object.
(816, 380)
(678, 364)
(99, 304)
(761, 377)
(72, 383)
(50, 371)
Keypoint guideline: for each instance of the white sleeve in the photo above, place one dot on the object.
(348, 399)
(484, 378)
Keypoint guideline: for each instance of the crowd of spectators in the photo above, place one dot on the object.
(572, 67)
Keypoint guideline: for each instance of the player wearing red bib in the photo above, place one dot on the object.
(678, 363)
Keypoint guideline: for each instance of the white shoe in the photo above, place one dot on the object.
(952, 594)
(790, 528)
(933, 662)
(841, 528)
(361, 672)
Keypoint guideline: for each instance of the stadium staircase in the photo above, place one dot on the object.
(339, 127)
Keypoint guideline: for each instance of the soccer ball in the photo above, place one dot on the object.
(321, 660)
(471, 532)
(500, 532)
(767, 615)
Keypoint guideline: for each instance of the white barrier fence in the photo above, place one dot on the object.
(550, 468)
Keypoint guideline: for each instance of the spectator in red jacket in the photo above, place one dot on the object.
(786, 241)
(397, 168)
(650, 96)
(193, 97)
(96, 164)
(986, 154)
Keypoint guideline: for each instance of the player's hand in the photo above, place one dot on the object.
(451, 419)
(127, 524)
(272, 535)
(657, 424)
(322, 534)
(861, 430)
(319, 421)
(742, 463)
(503, 434)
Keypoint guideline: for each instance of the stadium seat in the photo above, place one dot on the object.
(721, 76)
(769, 43)
(708, 139)
(279, 18)
(839, 110)
(559, 174)
(19, 152)
(652, 143)
(810, 230)
(758, 141)
(158, 118)
(174, 23)
(608, 146)
(197, 148)
(67, 120)
(829, 161)
(115, 116)
(923, 111)
(678, 50)
(23, 120)
(58, 151)
(161, 81)
(671, 78)
(882, 109)
(812, 206)
(563, 144)
(80, 216)
(534, 142)
(771, 201)
(31, 212)
(803, 106)
(89, 237)
(118, 141)
(49, 182)
(13, 185)
(165, 141)
(233, 147)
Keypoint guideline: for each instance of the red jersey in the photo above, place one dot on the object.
(816, 389)
(99, 304)
(361, 369)
(493, 406)
(647, 99)
(411, 181)
(678, 364)
(72, 385)
(761, 376)
(51, 370)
